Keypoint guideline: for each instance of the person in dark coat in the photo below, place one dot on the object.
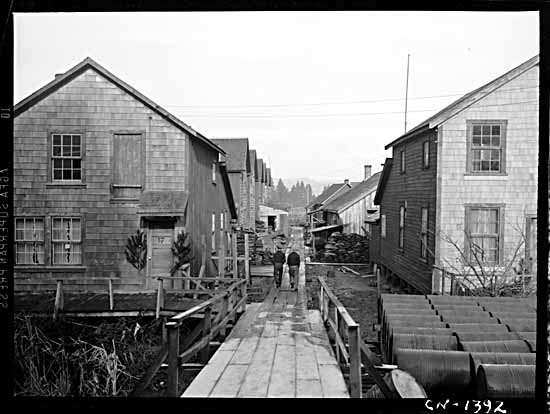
(293, 266)
(278, 262)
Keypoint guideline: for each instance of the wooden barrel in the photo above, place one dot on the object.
(528, 336)
(482, 317)
(413, 341)
(505, 381)
(420, 331)
(520, 325)
(532, 344)
(514, 345)
(513, 315)
(451, 299)
(477, 327)
(441, 373)
(515, 358)
(510, 307)
(463, 313)
(458, 307)
(486, 336)
(402, 384)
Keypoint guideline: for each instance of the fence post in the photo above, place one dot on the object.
(235, 255)
(111, 299)
(173, 358)
(336, 333)
(160, 297)
(443, 273)
(58, 305)
(221, 257)
(321, 303)
(243, 296)
(223, 312)
(354, 339)
(246, 258)
(207, 324)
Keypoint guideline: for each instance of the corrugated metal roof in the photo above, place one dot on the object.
(236, 150)
(356, 193)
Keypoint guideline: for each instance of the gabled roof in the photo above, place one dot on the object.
(228, 192)
(467, 100)
(260, 170)
(328, 193)
(89, 63)
(253, 162)
(236, 150)
(356, 193)
(383, 180)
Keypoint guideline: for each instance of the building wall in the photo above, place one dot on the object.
(517, 190)
(416, 187)
(354, 216)
(96, 108)
(259, 200)
(252, 200)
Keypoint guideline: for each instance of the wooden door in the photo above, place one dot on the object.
(160, 253)
(531, 245)
(127, 166)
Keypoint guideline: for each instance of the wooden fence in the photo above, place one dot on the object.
(349, 347)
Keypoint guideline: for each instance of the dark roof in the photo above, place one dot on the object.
(228, 192)
(163, 203)
(321, 198)
(357, 192)
(89, 63)
(467, 100)
(236, 150)
(260, 170)
(383, 180)
(253, 162)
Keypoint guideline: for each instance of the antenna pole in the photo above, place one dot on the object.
(407, 91)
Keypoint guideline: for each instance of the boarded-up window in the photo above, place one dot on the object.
(66, 157)
(424, 233)
(401, 226)
(383, 226)
(127, 166)
(483, 235)
(66, 241)
(29, 240)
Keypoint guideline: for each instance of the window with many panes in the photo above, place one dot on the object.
(486, 147)
(29, 241)
(424, 233)
(401, 226)
(66, 157)
(66, 241)
(402, 162)
(483, 234)
(426, 154)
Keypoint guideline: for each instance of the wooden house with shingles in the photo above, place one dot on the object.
(460, 192)
(253, 199)
(260, 183)
(352, 208)
(94, 161)
(238, 167)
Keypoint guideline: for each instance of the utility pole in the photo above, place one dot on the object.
(407, 91)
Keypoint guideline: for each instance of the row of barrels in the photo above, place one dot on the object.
(471, 345)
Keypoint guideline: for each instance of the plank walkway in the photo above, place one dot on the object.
(278, 348)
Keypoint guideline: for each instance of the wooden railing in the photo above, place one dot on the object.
(349, 347)
(216, 313)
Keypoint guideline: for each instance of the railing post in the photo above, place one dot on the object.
(58, 305)
(243, 296)
(223, 312)
(336, 333)
(160, 297)
(173, 358)
(443, 282)
(235, 255)
(246, 258)
(207, 324)
(354, 339)
(111, 299)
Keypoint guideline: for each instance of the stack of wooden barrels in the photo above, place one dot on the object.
(461, 346)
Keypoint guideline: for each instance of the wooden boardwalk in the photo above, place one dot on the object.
(278, 348)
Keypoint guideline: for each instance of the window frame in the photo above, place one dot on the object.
(500, 215)
(424, 233)
(142, 176)
(383, 226)
(79, 242)
(401, 227)
(51, 157)
(402, 161)
(426, 154)
(25, 242)
(470, 123)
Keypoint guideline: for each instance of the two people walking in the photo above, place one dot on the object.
(293, 262)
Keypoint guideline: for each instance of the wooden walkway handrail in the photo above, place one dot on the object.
(341, 309)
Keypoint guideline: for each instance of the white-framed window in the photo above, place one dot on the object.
(484, 234)
(66, 157)
(383, 226)
(424, 233)
(66, 241)
(401, 227)
(29, 241)
(214, 172)
(425, 154)
(486, 147)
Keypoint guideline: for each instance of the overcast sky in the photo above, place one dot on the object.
(318, 94)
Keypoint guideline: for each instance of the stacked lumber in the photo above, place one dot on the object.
(346, 248)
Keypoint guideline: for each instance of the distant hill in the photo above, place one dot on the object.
(316, 185)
